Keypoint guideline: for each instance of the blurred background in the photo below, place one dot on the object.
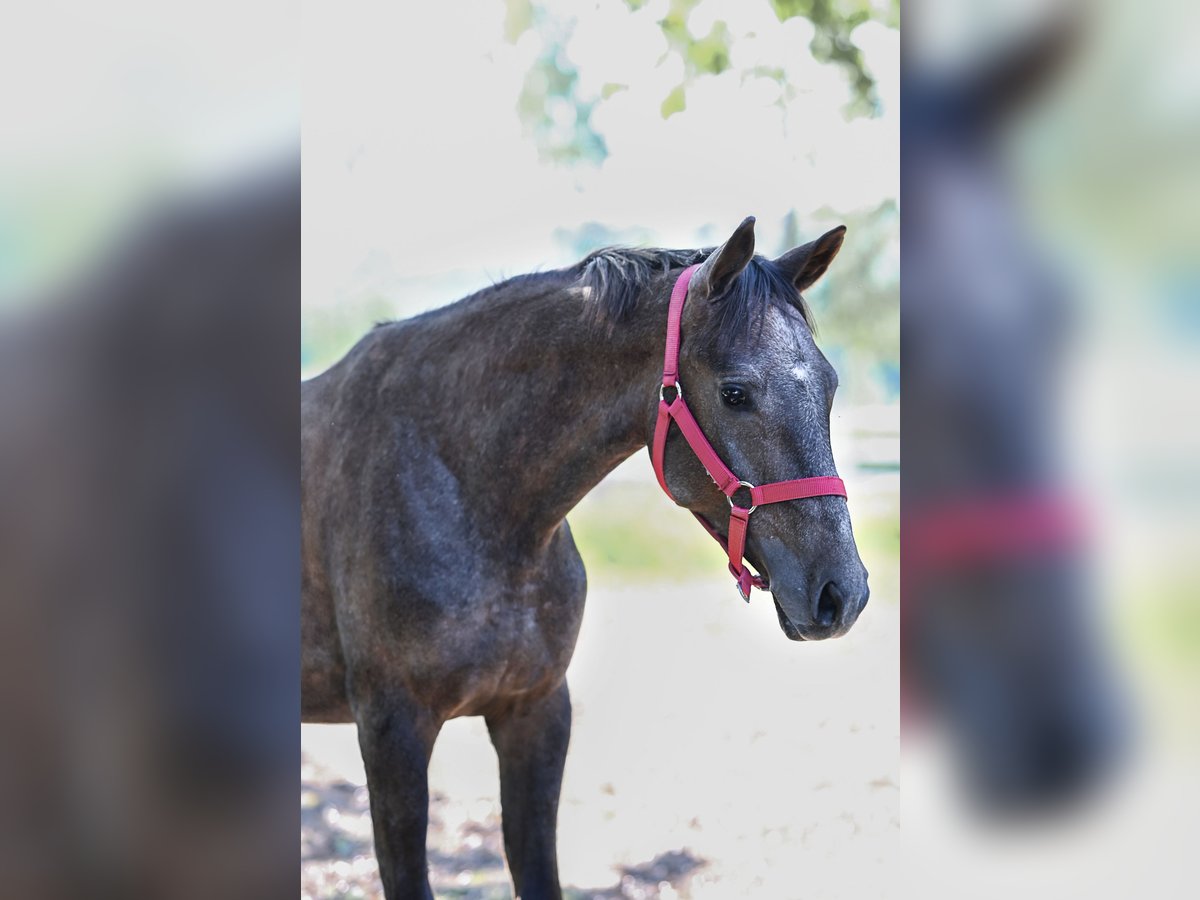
(449, 146)
(1051, 640)
(149, 290)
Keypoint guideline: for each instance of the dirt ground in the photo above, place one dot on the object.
(710, 758)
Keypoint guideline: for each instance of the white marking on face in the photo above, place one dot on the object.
(800, 372)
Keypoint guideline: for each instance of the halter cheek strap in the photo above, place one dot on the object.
(676, 410)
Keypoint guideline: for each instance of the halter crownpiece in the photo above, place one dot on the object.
(677, 410)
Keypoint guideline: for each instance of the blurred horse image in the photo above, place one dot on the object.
(1000, 639)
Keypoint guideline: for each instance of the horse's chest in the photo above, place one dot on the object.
(526, 641)
(510, 652)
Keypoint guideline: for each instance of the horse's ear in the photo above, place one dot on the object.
(804, 265)
(725, 263)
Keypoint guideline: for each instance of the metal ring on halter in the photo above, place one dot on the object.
(678, 391)
(748, 486)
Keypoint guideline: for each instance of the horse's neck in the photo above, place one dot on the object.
(553, 402)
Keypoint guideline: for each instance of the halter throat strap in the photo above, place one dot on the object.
(675, 410)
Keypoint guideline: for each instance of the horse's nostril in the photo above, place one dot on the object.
(829, 606)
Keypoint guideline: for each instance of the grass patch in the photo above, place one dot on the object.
(1164, 623)
(626, 534)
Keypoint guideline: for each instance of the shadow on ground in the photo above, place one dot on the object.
(465, 857)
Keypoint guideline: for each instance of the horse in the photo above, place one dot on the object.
(1000, 639)
(442, 454)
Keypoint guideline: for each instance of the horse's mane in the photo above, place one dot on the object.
(616, 276)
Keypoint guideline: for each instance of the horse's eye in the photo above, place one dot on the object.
(733, 395)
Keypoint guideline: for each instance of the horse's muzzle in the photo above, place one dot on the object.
(828, 613)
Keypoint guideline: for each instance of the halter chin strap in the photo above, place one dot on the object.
(676, 410)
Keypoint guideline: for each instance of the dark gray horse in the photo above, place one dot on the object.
(1000, 632)
(440, 457)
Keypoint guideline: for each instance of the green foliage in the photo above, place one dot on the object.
(708, 55)
(676, 102)
(833, 21)
(550, 106)
(559, 119)
(553, 113)
(518, 17)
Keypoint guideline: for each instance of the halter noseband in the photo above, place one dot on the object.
(677, 410)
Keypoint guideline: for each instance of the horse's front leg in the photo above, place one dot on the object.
(532, 747)
(396, 736)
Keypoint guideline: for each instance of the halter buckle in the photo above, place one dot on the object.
(678, 392)
(748, 486)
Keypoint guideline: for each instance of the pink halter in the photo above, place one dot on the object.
(730, 484)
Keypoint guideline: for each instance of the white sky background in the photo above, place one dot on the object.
(414, 157)
(195, 91)
(107, 108)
